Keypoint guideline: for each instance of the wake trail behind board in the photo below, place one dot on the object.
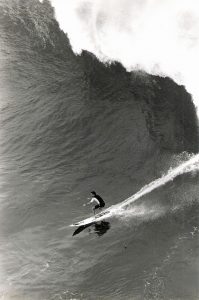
(188, 166)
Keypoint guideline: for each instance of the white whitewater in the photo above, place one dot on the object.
(159, 37)
(192, 165)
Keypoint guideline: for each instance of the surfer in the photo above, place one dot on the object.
(97, 200)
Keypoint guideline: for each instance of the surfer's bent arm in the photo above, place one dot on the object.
(94, 200)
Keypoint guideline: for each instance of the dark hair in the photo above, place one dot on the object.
(93, 192)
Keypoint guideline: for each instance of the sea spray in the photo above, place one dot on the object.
(159, 37)
(192, 165)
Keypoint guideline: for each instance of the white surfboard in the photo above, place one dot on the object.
(98, 217)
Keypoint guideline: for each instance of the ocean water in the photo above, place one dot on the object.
(69, 125)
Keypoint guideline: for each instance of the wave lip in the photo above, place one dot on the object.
(159, 38)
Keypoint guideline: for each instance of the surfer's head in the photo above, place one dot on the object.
(93, 192)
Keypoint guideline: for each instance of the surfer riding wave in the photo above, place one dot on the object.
(97, 199)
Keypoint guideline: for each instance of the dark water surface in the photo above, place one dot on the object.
(69, 125)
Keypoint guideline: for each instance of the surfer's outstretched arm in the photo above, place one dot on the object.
(87, 203)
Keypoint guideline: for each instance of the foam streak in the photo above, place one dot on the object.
(191, 165)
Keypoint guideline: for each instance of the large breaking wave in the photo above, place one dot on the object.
(159, 37)
(70, 124)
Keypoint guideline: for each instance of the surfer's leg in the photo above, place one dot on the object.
(96, 207)
(101, 206)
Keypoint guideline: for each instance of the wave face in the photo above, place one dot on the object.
(70, 124)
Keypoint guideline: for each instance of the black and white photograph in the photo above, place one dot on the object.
(99, 150)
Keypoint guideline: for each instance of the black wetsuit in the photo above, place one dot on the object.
(101, 201)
